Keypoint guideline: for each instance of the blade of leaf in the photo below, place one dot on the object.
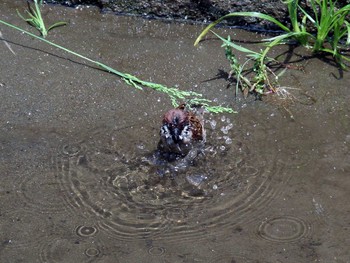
(249, 14)
(235, 46)
(58, 24)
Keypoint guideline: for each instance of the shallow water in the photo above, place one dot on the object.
(76, 185)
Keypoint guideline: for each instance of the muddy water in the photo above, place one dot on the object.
(76, 181)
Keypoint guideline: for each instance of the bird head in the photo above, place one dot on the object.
(175, 128)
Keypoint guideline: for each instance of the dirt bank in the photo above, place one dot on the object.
(190, 10)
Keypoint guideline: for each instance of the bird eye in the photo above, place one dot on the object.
(186, 129)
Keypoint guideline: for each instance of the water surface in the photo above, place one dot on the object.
(76, 183)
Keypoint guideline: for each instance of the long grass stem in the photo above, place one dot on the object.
(176, 95)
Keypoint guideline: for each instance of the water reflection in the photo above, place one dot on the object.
(130, 199)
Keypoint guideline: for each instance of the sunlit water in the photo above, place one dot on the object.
(79, 182)
(134, 199)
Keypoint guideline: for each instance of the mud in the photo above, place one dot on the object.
(197, 11)
(76, 184)
(202, 11)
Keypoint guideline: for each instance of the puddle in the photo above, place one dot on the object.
(77, 183)
(132, 200)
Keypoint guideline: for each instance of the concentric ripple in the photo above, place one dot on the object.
(71, 250)
(40, 192)
(110, 177)
(283, 229)
(71, 149)
(86, 231)
(156, 251)
(92, 252)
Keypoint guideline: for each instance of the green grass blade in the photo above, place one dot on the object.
(21, 16)
(248, 14)
(277, 39)
(293, 14)
(315, 10)
(308, 16)
(173, 93)
(235, 46)
(57, 24)
(348, 31)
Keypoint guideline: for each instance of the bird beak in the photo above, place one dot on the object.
(176, 134)
(169, 140)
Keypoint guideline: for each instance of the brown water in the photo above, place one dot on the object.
(76, 185)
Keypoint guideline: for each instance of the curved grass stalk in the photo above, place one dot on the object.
(330, 26)
(36, 20)
(260, 82)
(347, 32)
(257, 85)
(274, 41)
(176, 95)
(242, 49)
(249, 14)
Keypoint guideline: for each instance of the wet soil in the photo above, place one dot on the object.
(202, 11)
(189, 10)
(76, 181)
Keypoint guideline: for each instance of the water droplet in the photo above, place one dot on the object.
(86, 231)
(71, 149)
(156, 251)
(92, 252)
(228, 141)
(196, 180)
(175, 214)
(141, 146)
(212, 124)
(224, 130)
(229, 126)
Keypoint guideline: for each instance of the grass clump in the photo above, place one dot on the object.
(331, 27)
(324, 29)
(36, 20)
(258, 79)
(176, 96)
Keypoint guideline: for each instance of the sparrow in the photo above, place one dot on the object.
(182, 130)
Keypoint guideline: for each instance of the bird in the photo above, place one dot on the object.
(182, 131)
